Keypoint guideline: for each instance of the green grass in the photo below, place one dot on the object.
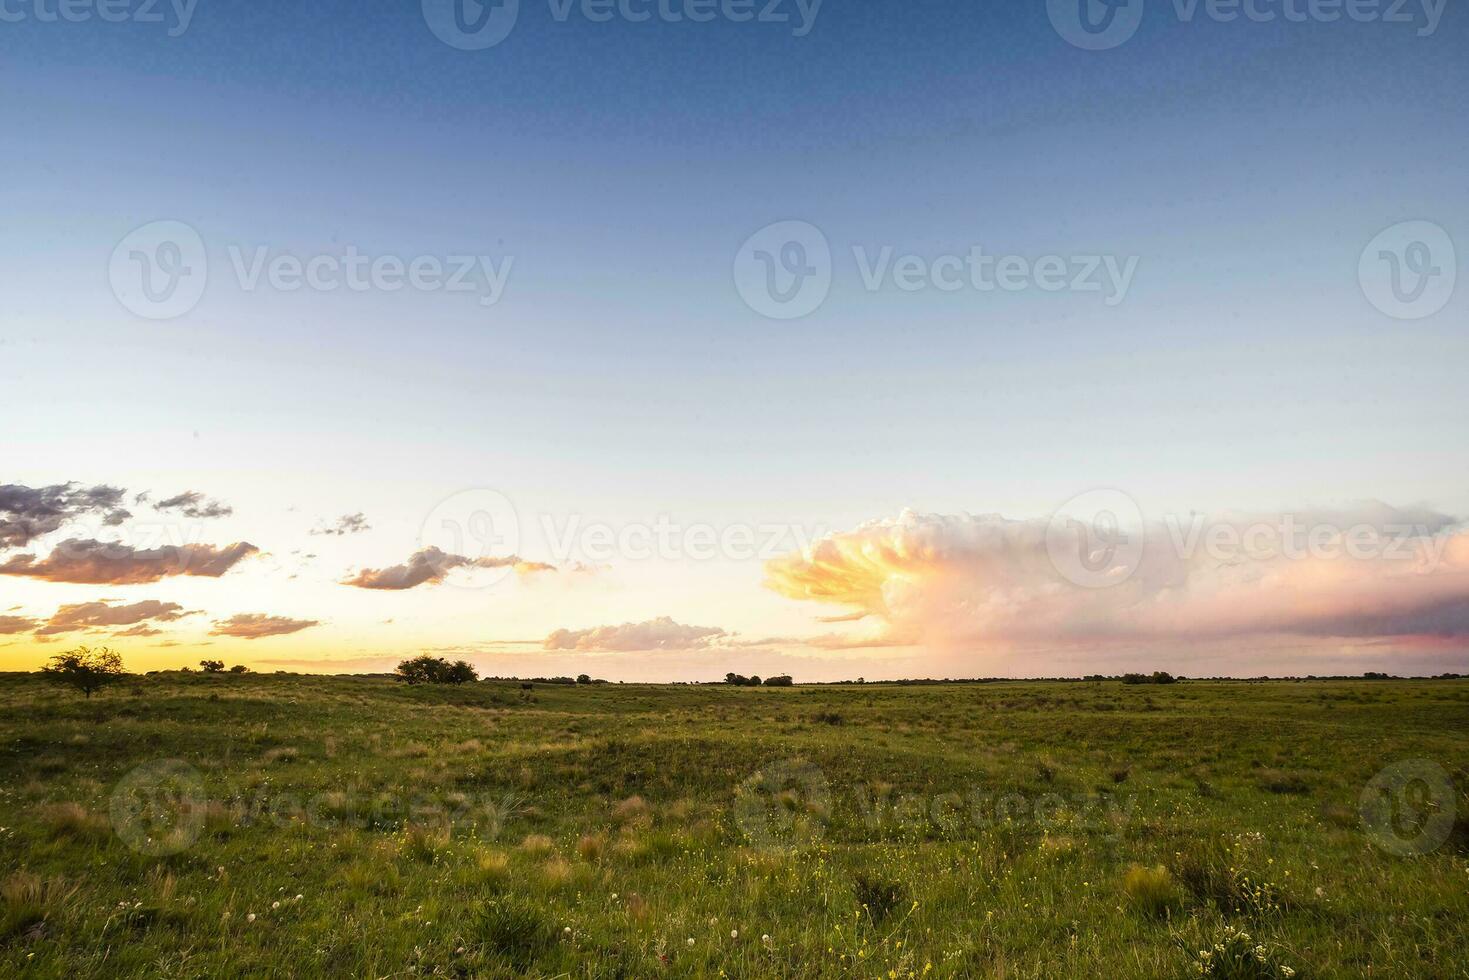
(966, 830)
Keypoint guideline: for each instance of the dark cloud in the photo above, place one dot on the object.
(655, 634)
(94, 615)
(27, 512)
(93, 562)
(431, 565)
(346, 524)
(17, 624)
(192, 503)
(254, 626)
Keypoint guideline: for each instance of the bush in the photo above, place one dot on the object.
(1152, 891)
(780, 680)
(425, 669)
(85, 669)
(212, 666)
(239, 669)
(1235, 956)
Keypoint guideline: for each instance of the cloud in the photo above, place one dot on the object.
(254, 626)
(93, 562)
(27, 513)
(191, 503)
(95, 615)
(17, 624)
(346, 524)
(655, 634)
(946, 581)
(430, 565)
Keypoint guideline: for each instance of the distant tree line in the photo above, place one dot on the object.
(740, 680)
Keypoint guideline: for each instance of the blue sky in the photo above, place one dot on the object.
(622, 165)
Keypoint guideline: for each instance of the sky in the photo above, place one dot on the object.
(976, 342)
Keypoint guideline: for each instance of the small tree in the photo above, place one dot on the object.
(425, 669)
(583, 678)
(239, 669)
(211, 666)
(85, 669)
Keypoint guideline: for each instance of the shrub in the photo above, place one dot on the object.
(85, 669)
(212, 666)
(239, 669)
(1152, 891)
(1235, 956)
(780, 680)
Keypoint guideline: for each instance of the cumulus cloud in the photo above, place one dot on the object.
(655, 634)
(430, 565)
(191, 503)
(255, 626)
(97, 615)
(29, 512)
(943, 581)
(346, 524)
(94, 562)
(17, 624)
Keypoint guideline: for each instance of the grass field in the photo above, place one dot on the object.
(309, 826)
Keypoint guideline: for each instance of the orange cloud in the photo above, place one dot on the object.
(655, 634)
(431, 565)
(94, 615)
(255, 626)
(943, 581)
(91, 562)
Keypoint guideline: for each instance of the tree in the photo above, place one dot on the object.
(211, 666)
(425, 669)
(239, 669)
(779, 680)
(85, 669)
(583, 678)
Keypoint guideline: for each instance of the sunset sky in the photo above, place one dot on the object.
(630, 469)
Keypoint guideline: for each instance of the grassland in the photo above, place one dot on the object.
(318, 826)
